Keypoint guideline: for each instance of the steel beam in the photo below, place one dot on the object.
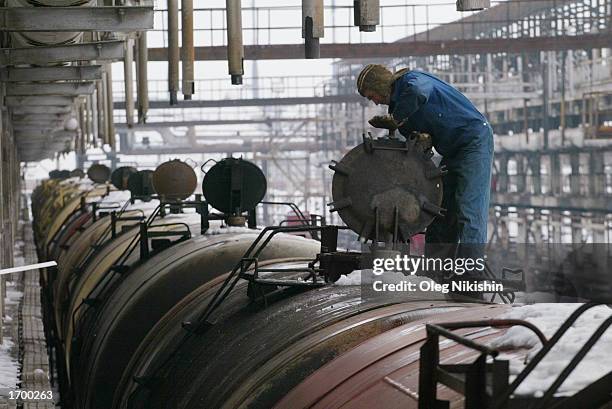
(33, 109)
(39, 133)
(553, 203)
(247, 146)
(99, 51)
(125, 19)
(45, 133)
(74, 73)
(53, 100)
(32, 128)
(329, 99)
(204, 122)
(40, 117)
(38, 124)
(65, 88)
(404, 49)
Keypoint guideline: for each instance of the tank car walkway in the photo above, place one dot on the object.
(28, 330)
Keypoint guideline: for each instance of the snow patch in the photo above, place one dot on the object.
(116, 196)
(352, 279)
(230, 229)
(8, 365)
(389, 277)
(548, 318)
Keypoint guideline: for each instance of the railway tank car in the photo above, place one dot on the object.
(242, 361)
(130, 293)
(140, 323)
(251, 350)
(138, 302)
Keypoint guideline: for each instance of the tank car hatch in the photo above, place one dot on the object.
(98, 173)
(119, 177)
(174, 180)
(387, 190)
(234, 185)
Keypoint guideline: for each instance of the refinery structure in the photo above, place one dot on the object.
(207, 178)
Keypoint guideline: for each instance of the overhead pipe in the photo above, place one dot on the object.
(173, 51)
(366, 14)
(312, 27)
(142, 75)
(472, 5)
(128, 76)
(95, 115)
(235, 49)
(187, 50)
(88, 117)
(80, 136)
(110, 124)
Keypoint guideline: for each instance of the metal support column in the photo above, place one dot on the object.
(555, 174)
(596, 173)
(575, 176)
(88, 118)
(536, 173)
(545, 96)
(521, 173)
(502, 177)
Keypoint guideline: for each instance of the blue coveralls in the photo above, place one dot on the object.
(464, 138)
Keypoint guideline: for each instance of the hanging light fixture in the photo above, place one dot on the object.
(473, 5)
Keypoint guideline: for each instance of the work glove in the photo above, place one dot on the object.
(384, 122)
(423, 140)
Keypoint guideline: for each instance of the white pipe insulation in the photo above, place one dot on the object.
(367, 14)
(235, 48)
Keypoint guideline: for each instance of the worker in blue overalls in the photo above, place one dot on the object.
(419, 101)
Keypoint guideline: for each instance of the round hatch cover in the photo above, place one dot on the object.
(234, 185)
(387, 183)
(140, 184)
(98, 173)
(120, 176)
(174, 180)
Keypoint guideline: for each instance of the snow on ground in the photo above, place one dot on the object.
(144, 206)
(548, 318)
(9, 367)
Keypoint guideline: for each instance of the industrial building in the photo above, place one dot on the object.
(198, 209)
